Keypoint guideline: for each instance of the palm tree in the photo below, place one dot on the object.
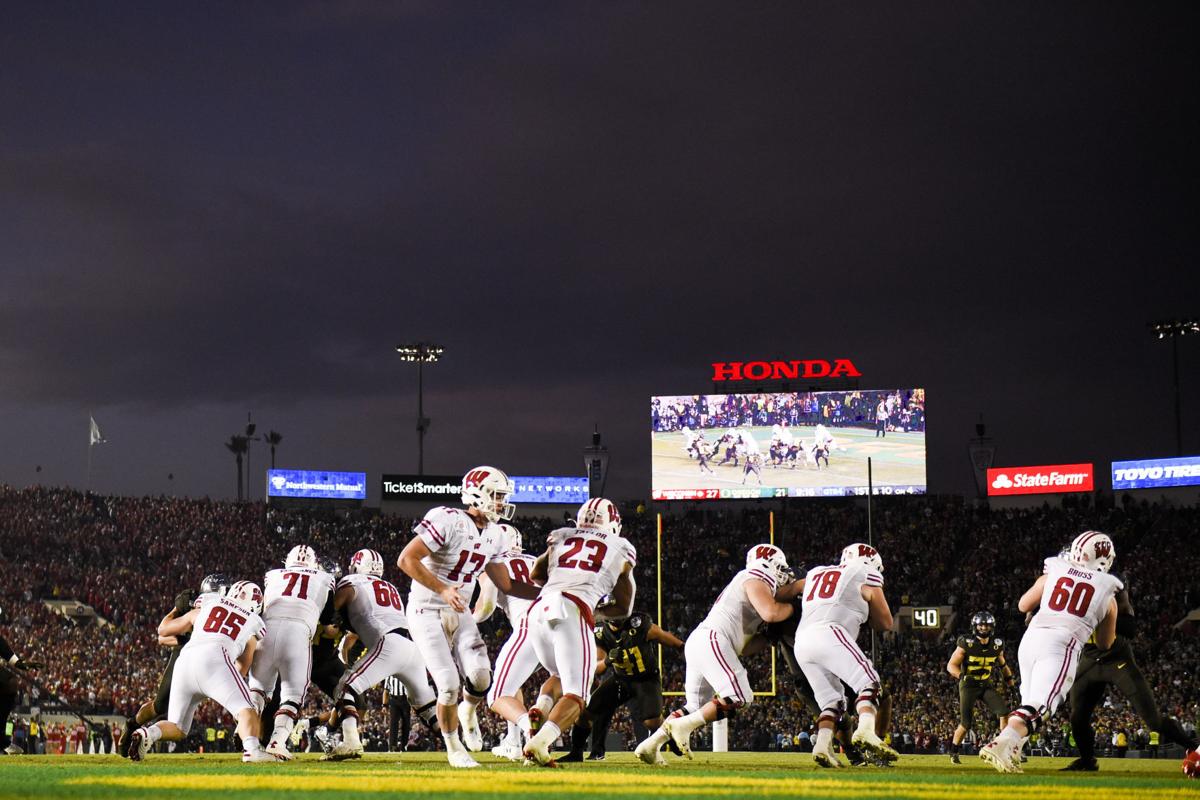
(273, 438)
(238, 446)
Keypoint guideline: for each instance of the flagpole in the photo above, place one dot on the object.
(87, 486)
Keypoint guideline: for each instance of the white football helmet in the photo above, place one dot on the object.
(599, 514)
(488, 489)
(302, 556)
(1093, 550)
(771, 558)
(367, 562)
(859, 553)
(247, 595)
(511, 538)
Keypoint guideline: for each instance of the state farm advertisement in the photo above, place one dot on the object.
(1051, 479)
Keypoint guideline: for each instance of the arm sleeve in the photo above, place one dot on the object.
(433, 529)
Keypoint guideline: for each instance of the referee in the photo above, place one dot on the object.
(395, 697)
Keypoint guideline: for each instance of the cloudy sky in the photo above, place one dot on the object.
(213, 209)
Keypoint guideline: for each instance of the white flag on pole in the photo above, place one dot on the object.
(94, 436)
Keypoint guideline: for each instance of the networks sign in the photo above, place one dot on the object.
(447, 489)
(1156, 472)
(550, 489)
(1052, 479)
(317, 484)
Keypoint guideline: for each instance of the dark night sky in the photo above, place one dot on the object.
(207, 209)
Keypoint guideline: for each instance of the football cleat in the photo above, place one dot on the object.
(258, 757)
(461, 759)
(344, 751)
(649, 753)
(122, 744)
(867, 740)
(13, 750)
(998, 756)
(954, 759)
(1082, 765)
(139, 744)
(297, 733)
(826, 758)
(1015, 758)
(279, 750)
(510, 751)
(681, 738)
(596, 757)
(468, 720)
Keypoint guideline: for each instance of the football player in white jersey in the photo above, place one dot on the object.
(373, 608)
(716, 684)
(293, 600)
(581, 565)
(450, 549)
(225, 632)
(513, 668)
(1074, 597)
(838, 599)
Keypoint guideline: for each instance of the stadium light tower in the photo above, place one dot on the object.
(1174, 329)
(421, 353)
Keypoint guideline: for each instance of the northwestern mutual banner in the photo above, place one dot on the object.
(317, 484)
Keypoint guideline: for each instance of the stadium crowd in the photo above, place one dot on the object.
(128, 557)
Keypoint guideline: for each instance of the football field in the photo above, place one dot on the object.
(622, 776)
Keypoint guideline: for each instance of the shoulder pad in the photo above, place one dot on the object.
(962, 642)
(639, 620)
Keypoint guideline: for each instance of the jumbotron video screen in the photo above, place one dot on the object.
(792, 444)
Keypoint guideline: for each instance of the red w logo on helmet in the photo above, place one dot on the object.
(475, 477)
(866, 551)
(764, 552)
(1103, 549)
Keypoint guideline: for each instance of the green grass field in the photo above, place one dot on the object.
(622, 776)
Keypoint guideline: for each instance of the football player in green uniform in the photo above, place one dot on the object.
(1116, 666)
(973, 665)
(630, 675)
